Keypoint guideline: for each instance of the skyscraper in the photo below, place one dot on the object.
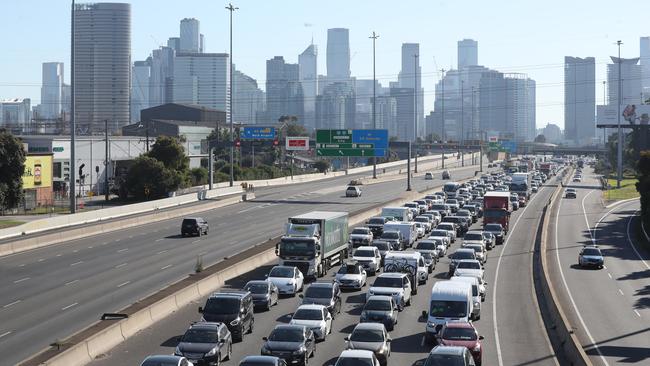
(467, 53)
(520, 107)
(284, 95)
(250, 100)
(580, 99)
(630, 81)
(102, 67)
(645, 63)
(161, 76)
(141, 74)
(409, 77)
(202, 79)
(52, 90)
(338, 55)
(335, 108)
(404, 106)
(308, 69)
(190, 36)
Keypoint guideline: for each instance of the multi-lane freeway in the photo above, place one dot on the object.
(609, 308)
(49, 293)
(513, 330)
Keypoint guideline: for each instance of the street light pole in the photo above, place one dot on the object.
(462, 122)
(619, 152)
(73, 125)
(374, 100)
(444, 139)
(604, 103)
(106, 169)
(232, 9)
(415, 109)
(408, 169)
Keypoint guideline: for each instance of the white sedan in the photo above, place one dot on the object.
(289, 280)
(314, 317)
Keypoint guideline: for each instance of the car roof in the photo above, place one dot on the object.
(462, 250)
(206, 325)
(392, 275)
(261, 359)
(311, 307)
(366, 247)
(460, 324)
(257, 282)
(289, 326)
(329, 284)
(379, 298)
(374, 326)
(448, 350)
(230, 293)
(354, 353)
(163, 358)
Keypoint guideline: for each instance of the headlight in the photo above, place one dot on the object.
(212, 352)
(477, 304)
(234, 322)
(383, 349)
(300, 351)
(476, 348)
(178, 352)
(265, 351)
(431, 324)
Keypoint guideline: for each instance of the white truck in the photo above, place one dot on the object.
(314, 242)
(397, 213)
(407, 229)
(521, 184)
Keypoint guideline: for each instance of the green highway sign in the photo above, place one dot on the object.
(345, 152)
(361, 143)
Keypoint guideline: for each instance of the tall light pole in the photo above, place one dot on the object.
(472, 121)
(619, 152)
(232, 9)
(462, 122)
(73, 125)
(442, 107)
(374, 99)
(415, 109)
(604, 103)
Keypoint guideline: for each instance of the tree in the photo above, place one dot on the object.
(148, 178)
(170, 152)
(540, 138)
(199, 176)
(322, 165)
(12, 168)
(295, 129)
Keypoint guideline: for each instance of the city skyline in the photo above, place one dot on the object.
(520, 52)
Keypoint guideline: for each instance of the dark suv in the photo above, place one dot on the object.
(205, 343)
(376, 225)
(233, 308)
(194, 226)
(324, 293)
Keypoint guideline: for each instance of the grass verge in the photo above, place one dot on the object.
(9, 223)
(627, 190)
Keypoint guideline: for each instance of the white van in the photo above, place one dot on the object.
(476, 293)
(407, 229)
(450, 301)
(397, 261)
(397, 213)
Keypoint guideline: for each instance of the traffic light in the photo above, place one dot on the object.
(237, 143)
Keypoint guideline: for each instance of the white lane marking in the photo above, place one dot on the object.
(161, 239)
(58, 255)
(41, 259)
(162, 251)
(22, 265)
(121, 265)
(605, 267)
(422, 342)
(123, 250)
(104, 243)
(496, 283)
(637, 313)
(5, 334)
(11, 303)
(196, 241)
(75, 251)
(116, 240)
(21, 280)
(69, 306)
(75, 263)
(629, 221)
(584, 214)
(123, 284)
(130, 236)
(620, 292)
(167, 266)
(71, 282)
(566, 286)
(610, 275)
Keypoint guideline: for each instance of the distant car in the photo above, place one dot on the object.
(361, 235)
(194, 226)
(293, 343)
(462, 334)
(428, 176)
(372, 337)
(591, 257)
(289, 280)
(467, 267)
(380, 309)
(522, 201)
(446, 174)
(205, 343)
(369, 257)
(265, 293)
(166, 360)
(515, 203)
(351, 276)
(396, 285)
(262, 361)
(490, 241)
(534, 189)
(353, 191)
(497, 231)
(324, 293)
(577, 179)
(233, 308)
(570, 193)
(356, 182)
(357, 357)
(314, 317)
(449, 355)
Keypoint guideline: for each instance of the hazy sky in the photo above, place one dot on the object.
(514, 36)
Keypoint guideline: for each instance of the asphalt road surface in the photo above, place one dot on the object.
(522, 338)
(49, 293)
(609, 307)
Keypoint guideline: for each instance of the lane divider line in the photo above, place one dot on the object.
(637, 313)
(629, 221)
(71, 282)
(123, 284)
(69, 306)
(76, 263)
(22, 280)
(5, 334)
(123, 250)
(620, 292)
(167, 266)
(11, 304)
(121, 265)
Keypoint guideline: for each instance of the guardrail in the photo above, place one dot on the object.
(559, 329)
(84, 346)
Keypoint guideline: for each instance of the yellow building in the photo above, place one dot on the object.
(37, 180)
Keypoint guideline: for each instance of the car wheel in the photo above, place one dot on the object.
(269, 304)
(229, 355)
(250, 328)
(408, 303)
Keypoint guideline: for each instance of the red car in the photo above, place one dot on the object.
(522, 201)
(462, 334)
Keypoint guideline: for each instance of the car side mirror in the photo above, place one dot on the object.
(347, 338)
(200, 310)
(301, 296)
(265, 338)
(424, 313)
(480, 338)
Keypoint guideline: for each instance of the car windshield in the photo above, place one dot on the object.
(477, 248)
(439, 207)
(376, 220)
(459, 334)
(318, 292)
(200, 336)
(473, 236)
(463, 254)
(349, 269)
(438, 233)
(159, 363)
(286, 335)
(463, 213)
(452, 201)
(495, 214)
(297, 247)
(380, 305)
(352, 189)
(448, 309)
(487, 235)
(591, 251)
(308, 314)
(354, 361)
(364, 253)
(427, 245)
(422, 219)
(367, 335)
(189, 222)
(360, 231)
(469, 265)
(222, 305)
(388, 282)
(282, 272)
(447, 226)
(390, 235)
(257, 288)
(493, 227)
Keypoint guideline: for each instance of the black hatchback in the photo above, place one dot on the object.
(194, 226)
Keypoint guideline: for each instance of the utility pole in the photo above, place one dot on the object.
(619, 152)
(106, 170)
(604, 103)
(408, 170)
(462, 122)
(147, 135)
(444, 139)
(232, 9)
(415, 110)
(374, 100)
(73, 126)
